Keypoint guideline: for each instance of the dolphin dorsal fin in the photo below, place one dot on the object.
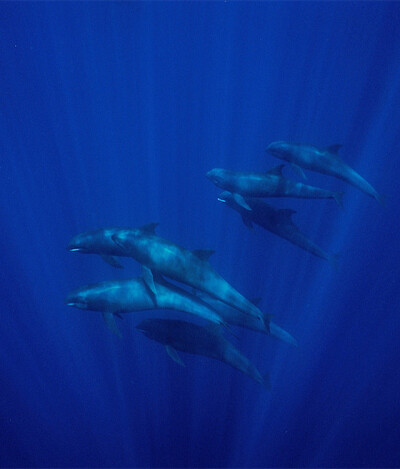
(277, 170)
(150, 228)
(203, 254)
(334, 148)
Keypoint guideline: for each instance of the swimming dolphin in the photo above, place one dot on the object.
(236, 318)
(98, 242)
(322, 160)
(277, 221)
(130, 295)
(269, 184)
(191, 338)
(191, 267)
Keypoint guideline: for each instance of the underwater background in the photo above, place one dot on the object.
(110, 115)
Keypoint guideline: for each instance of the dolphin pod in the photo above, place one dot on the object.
(210, 298)
(164, 257)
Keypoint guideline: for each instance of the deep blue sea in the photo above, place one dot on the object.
(111, 114)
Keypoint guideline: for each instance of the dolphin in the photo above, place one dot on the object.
(269, 184)
(198, 340)
(236, 318)
(130, 295)
(322, 160)
(277, 221)
(191, 267)
(98, 242)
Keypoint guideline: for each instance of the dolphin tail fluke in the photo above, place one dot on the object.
(333, 260)
(266, 382)
(281, 334)
(380, 198)
(111, 324)
(338, 196)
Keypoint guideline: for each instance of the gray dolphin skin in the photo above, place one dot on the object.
(130, 295)
(277, 221)
(322, 160)
(190, 267)
(98, 242)
(236, 318)
(269, 184)
(191, 338)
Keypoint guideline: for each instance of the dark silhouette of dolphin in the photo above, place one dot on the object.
(191, 338)
(277, 221)
(322, 160)
(269, 184)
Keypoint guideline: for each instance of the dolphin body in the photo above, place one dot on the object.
(269, 184)
(236, 318)
(322, 160)
(277, 221)
(131, 295)
(198, 340)
(191, 267)
(98, 242)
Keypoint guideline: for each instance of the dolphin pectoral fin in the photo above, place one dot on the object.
(239, 199)
(110, 322)
(247, 221)
(203, 254)
(338, 196)
(149, 280)
(174, 355)
(276, 170)
(298, 170)
(111, 261)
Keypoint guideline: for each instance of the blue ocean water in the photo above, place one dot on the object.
(111, 114)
